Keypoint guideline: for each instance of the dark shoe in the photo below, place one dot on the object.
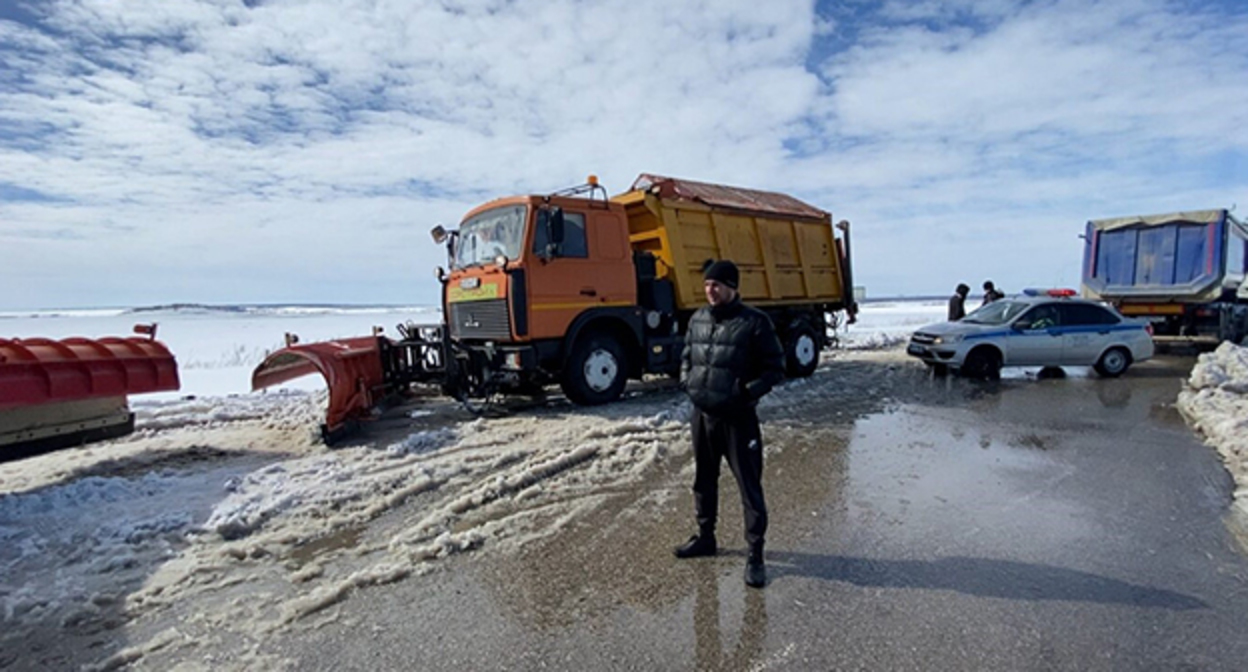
(755, 573)
(699, 545)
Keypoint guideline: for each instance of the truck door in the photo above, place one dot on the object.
(590, 268)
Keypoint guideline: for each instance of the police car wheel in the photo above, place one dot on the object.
(983, 363)
(1113, 363)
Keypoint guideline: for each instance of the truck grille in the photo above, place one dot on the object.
(486, 320)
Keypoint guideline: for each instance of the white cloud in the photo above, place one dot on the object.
(213, 152)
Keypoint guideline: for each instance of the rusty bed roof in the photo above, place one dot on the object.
(720, 195)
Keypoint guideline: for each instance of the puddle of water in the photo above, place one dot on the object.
(946, 477)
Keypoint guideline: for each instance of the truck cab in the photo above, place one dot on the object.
(532, 279)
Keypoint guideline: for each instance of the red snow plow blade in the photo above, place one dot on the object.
(352, 367)
(56, 393)
(364, 373)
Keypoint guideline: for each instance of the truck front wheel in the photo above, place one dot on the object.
(596, 371)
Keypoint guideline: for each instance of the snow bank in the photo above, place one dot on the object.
(1215, 403)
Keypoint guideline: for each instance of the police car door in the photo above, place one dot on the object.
(1085, 333)
(1036, 338)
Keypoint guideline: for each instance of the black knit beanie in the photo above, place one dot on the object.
(724, 271)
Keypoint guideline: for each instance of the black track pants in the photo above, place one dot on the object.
(739, 439)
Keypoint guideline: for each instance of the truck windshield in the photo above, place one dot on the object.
(997, 312)
(489, 234)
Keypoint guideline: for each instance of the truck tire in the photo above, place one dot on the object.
(801, 352)
(596, 371)
(983, 363)
(1113, 363)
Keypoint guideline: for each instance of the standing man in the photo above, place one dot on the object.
(957, 302)
(731, 359)
(991, 293)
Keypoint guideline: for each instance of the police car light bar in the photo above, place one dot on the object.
(1032, 291)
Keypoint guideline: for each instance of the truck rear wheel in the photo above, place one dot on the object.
(596, 371)
(801, 352)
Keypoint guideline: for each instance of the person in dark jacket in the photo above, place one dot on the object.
(991, 293)
(957, 302)
(732, 358)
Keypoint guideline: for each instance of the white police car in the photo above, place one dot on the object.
(1038, 328)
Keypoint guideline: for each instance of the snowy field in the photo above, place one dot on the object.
(220, 493)
(217, 347)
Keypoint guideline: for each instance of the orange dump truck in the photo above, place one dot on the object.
(587, 291)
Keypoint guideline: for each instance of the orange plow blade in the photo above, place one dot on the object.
(55, 393)
(36, 371)
(352, 368)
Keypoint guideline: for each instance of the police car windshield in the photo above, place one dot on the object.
(997, 312)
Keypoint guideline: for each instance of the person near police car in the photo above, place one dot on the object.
(991, 293)
(732, 357)
(957, 302)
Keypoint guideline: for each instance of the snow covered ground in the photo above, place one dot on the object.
(216, 497)
(225, 499)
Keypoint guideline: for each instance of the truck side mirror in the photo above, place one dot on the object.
(556, 226)
(550, 219)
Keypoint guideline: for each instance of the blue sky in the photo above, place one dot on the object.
(222, 151)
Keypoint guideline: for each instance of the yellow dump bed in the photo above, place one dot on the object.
(786, 249)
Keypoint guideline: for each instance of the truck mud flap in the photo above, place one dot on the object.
(353, 370)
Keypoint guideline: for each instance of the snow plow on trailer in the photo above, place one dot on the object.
(60, 393)
(588, 291)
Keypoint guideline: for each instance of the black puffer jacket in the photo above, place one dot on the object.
(731, 358)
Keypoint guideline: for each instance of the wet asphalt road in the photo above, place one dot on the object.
(1071, 524)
